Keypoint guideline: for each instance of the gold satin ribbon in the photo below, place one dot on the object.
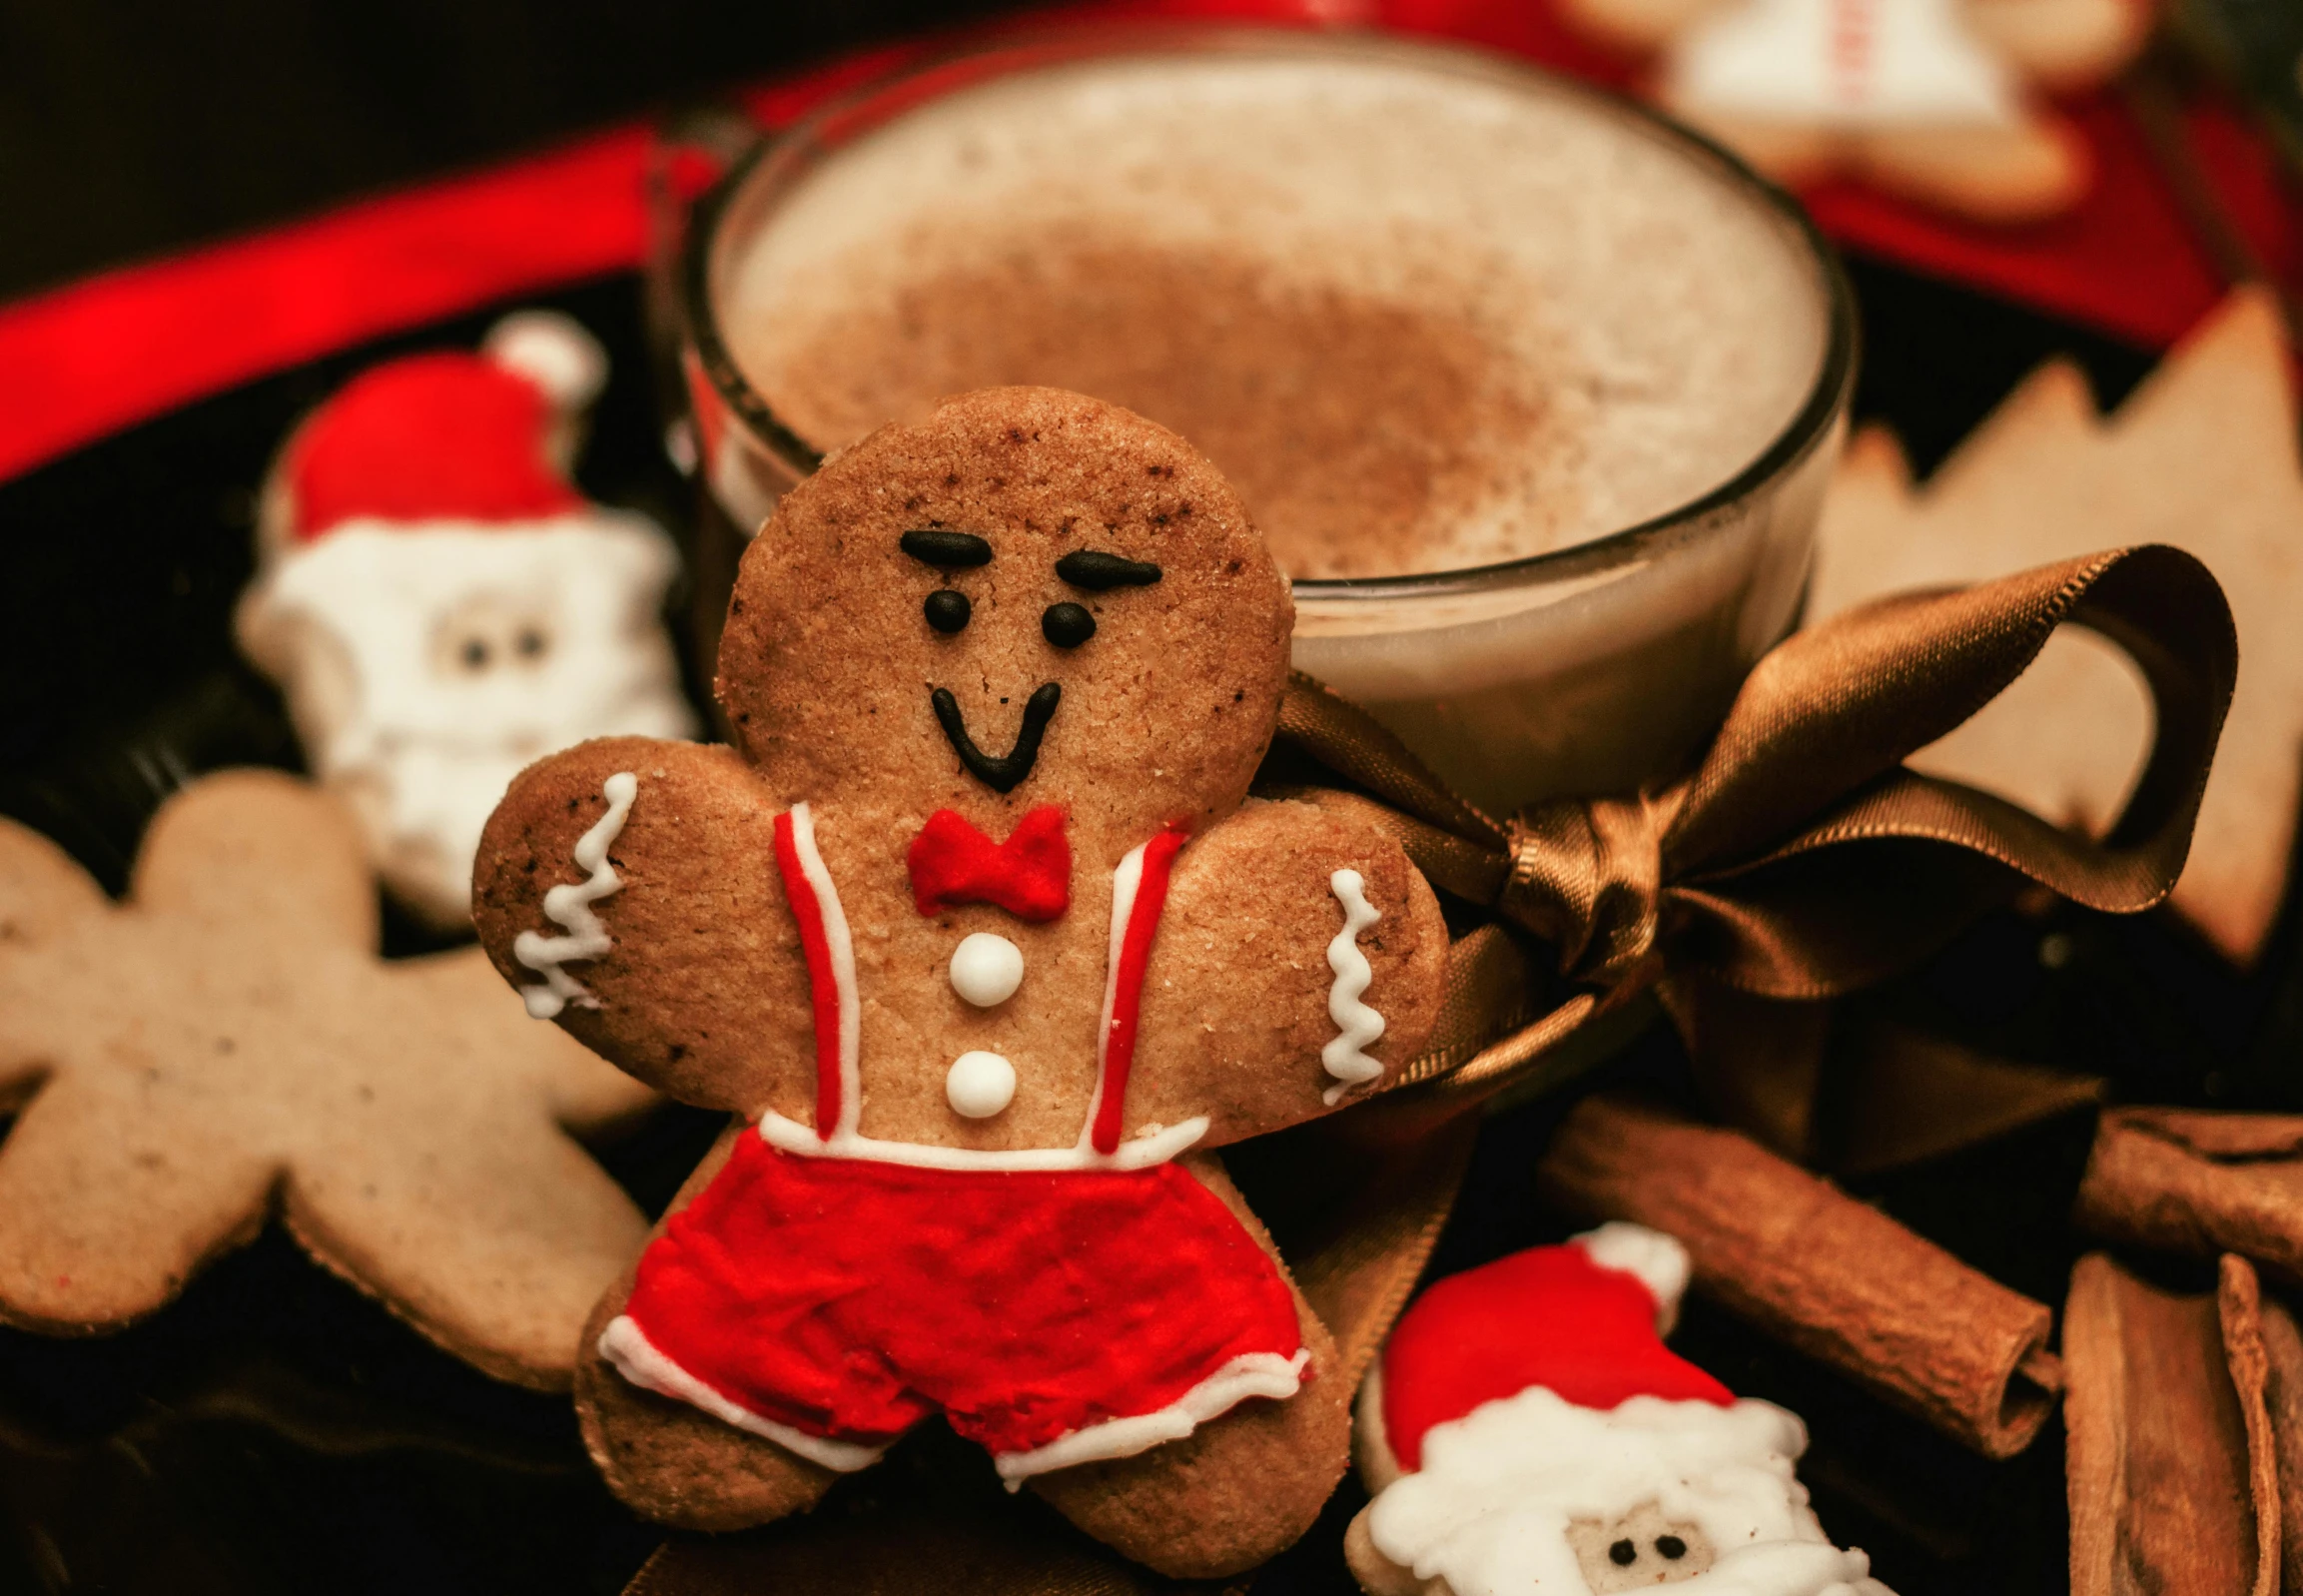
(1799, 859)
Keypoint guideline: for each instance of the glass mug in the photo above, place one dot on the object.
(1592, 668)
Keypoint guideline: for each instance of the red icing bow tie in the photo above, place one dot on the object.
(1029, 875)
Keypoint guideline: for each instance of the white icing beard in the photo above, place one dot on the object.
(1490, 1508)
(1850, 64)
(363, 627)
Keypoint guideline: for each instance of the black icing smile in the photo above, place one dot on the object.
(1000, 774)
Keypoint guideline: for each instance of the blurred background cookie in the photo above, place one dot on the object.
(1935, 100)
(441, 606)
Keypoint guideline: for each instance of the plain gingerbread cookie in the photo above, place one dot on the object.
(975, 932)
(225, 1044)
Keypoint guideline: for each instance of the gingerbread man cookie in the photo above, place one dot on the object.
(974, 930)
(225, 1044)
(1938, 99)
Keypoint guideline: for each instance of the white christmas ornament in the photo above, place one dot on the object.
(986, 970)
(980, 1085)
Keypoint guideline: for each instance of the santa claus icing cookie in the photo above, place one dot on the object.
(975, 932)
(1527, 1431)
(441, 606)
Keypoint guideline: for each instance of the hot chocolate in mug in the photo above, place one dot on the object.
(1534, 395)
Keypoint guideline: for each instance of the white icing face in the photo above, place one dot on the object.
(1637, 1549)
(1530, 1496)
(427, 665)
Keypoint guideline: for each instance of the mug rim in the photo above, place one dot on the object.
(1036, 47)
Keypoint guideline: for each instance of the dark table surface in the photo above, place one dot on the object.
(275, 1431)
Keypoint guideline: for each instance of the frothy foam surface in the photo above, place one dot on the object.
(1425, 319)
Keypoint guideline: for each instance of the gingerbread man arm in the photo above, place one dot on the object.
(494, 1235)
(43, 895)
(106, 1209)
(2063, 45)
(1638, 25)
(701, 989)
(115, 1189)
(1239, 1004)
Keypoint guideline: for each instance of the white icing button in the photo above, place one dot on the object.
(986, 970)
(980, 1085)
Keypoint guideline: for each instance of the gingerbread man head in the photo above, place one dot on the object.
(1033, 598)
(989, 676)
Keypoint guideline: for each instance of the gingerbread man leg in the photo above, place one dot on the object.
(1237, 1490)
(101, 1225)
(673, 1463)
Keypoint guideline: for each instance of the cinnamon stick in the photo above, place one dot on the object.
(2283, 1401)
(2199, 1182)
(1835, 1278)
(2170, 1464)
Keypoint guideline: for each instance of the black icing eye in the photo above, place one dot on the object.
(1671, 1546)
(946, 551)
(1067, 625)
(473, 654)
(1623, 1554)
(1098, 572)
(530, 643)
(948, 611)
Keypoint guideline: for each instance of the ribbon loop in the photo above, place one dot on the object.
(1805, 861)
(1587, 877)
(1838, 707)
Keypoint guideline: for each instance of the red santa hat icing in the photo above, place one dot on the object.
(448, 435)
(1585, 1320)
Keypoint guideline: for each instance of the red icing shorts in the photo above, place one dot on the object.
(1054, 1318)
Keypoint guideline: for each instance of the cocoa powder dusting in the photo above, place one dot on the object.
(1359, 431)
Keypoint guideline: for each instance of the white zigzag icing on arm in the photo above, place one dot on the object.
(1356, 1022)
(569, 906)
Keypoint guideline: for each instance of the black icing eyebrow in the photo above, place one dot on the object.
(1098, 572)
(947, 550)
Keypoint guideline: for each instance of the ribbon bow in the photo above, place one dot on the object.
(1029, 875)
(1799, 859)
